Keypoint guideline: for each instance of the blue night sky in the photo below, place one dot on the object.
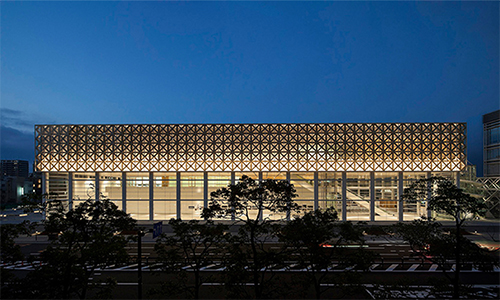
(246, 62)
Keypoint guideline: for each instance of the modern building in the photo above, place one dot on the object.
(491, 154)
(159, 172)
(491, 163)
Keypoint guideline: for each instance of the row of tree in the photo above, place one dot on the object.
(89, 239)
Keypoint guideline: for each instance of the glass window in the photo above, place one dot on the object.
(191, 210)
(493, 136)
(57, 185)
(330, 189)
(358, 210)
(386, 186)
(110, 176)
(137, 185)
(329, 175)
(493, 153)
(192, 186)
(302, 176)
(83, 189)
(57, 176)
(165, 210)
(304, 189)
(138, 210)
(274, 175)
(358, 186)
(219, 176)
(164, 185)
(84, 176)
(111, 189)
(253, 175)
(447, 175)
(414, 210)
(336, 205)
(386, 211)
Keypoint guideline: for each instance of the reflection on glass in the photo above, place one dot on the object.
(138, 210)
(414, 210)
(111, 189)
(83, 189)
(301, 175)
(165, 210)
(336, 205)
(304, 189)
(330, 189)
(191, 210)
(274, 175)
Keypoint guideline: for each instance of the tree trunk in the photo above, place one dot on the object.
(197, 283)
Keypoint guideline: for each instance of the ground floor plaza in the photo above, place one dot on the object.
(161, 171)
(164, 195)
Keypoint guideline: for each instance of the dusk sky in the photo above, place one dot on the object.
(246, 62)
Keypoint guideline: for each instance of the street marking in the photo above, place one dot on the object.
(374, 266)
(209, 266)
(392, 267)
(433, 268)
(413, 267)
(127, 267)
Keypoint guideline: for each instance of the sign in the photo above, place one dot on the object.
(157, 229)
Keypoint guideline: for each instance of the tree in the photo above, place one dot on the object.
(10, 252)
(426, 236)
(194, 245)
(237, 202)
(88, 239)
(316, 241)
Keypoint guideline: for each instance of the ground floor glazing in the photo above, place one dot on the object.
(154, 196)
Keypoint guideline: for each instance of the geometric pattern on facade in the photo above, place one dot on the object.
(251, 147)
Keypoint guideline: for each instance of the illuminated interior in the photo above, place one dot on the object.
(159, 172)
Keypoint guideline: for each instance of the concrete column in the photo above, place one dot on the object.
(151, 196)
(344, 196)
(288, 211)
(429, 212)
(261, 213)
(70, 191)
(178, 202)
(400, 194)
(44, 191)
(97, 186)
(372, 196)
(316, 191)
(205, 190)
(124, 191)
(233, 181)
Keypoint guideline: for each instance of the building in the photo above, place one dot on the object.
(159, 172)
(491, 161)
(491, 154)
(14, 181)
(14, 168)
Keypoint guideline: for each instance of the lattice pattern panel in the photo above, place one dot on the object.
(252, 147)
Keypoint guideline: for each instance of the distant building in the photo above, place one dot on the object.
(491, 156)
(15, 181)
(14, 168)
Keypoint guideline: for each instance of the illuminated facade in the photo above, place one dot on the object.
(158, 172)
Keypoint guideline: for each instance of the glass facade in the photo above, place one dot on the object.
(356, 196)
(163, 171)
